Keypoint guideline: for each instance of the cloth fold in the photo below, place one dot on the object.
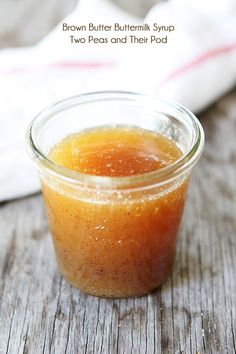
(195, 67)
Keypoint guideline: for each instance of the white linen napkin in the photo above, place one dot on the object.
(195, 67)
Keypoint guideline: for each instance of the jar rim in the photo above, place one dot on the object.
(157, 177)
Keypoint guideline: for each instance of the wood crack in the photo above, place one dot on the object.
(10, 329)
(97, 323)
(25, 350)
(68, 331)
(201, 279)
(10, 256)
(55, 314)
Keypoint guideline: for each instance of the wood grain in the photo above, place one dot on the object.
(193, 312)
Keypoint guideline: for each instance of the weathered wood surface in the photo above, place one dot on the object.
(193, 312)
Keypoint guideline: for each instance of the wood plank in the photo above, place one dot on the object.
(193, 312)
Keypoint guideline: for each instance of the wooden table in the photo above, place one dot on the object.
(193, 312)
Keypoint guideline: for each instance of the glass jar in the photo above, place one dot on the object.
(115, 236)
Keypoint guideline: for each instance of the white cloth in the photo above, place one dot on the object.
(195, 67)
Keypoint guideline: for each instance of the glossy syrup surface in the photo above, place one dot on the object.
(115, 151)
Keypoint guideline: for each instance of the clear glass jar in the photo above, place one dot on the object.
(115, 236)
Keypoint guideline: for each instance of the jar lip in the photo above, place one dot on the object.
(157, 177)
